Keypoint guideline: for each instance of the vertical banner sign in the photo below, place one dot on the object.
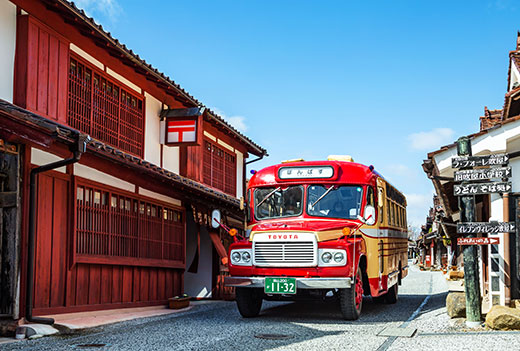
(181, 131)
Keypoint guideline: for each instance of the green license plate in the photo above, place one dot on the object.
(280, 285)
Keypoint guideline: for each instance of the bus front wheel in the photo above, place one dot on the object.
(351, 299)
(249, 301)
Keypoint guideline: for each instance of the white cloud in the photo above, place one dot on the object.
(239, 122)
(429, 141)
(417, 208)
(109, 8)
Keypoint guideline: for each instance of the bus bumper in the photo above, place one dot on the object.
(301, 283)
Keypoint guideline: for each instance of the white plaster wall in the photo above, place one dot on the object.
(171, 159)
(101, 177)
(152, 146)
(160, 197)
(8, 44)
(495, 141)
(515, 75)
(40, 158)
(240, 173)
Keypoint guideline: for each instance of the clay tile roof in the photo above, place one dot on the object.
(490, 118)
(71, 8)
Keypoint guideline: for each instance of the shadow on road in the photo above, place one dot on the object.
(328, 312)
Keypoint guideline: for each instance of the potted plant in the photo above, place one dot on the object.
(178, 302)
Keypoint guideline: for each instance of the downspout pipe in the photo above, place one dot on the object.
(82, 142)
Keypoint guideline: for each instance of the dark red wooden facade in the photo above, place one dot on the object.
(101, 247)
(68, 279)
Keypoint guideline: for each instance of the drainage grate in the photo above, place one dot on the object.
(88, 346)
(273, 336)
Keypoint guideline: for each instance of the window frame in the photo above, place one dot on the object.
(304, 197)
(123, 260)
(224, 162)
(122, 86)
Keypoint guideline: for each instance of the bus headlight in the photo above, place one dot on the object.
(235, 256)
(338, 257)
(241, 257)
(332, 257)
(326, 257)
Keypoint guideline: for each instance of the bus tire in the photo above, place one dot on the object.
(249, 301)
(351, 299)
(391, 295)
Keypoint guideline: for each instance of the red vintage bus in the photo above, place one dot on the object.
(320, 229)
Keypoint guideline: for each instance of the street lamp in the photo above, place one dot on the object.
(464, 146)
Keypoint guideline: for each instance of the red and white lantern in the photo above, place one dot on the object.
(181, 131)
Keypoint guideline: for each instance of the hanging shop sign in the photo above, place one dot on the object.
(483, 174)
(475, 161)
(478, 241)
(181, 131)
(481, 188)
(485, 227)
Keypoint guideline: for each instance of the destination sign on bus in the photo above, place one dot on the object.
(314, 172)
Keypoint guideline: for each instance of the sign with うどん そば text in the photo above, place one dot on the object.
(481, 188)
(309, 172)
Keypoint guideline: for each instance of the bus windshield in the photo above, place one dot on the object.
(278, 202)
(334, 201)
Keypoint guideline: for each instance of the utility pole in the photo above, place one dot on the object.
(471, 279)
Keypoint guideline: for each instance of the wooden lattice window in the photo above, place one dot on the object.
(117, 225)
(104, 109)
(219, 169)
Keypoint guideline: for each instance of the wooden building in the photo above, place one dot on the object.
(123, 221)
(499, 264)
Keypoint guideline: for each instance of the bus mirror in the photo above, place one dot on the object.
(215, 218)
(370, 215)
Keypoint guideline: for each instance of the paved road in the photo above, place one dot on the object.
(306, 326)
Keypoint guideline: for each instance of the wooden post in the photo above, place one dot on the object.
(507, 265)
(471, 279)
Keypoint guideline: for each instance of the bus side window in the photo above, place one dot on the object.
(381, 204)
(370, 197)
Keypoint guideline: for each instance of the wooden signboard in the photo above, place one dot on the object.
(478, 241)
(483, 174)
(481, 188)
(475, 161)
(485, 227)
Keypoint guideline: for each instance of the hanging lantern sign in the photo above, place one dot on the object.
(181, 131)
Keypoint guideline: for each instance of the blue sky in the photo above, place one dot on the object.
(384, 81)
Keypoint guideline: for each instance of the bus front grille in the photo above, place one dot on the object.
(284, 254)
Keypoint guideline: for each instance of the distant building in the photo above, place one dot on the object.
(499, 133)
(126, 223)
(433, 244)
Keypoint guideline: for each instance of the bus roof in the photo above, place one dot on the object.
(345, 172)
